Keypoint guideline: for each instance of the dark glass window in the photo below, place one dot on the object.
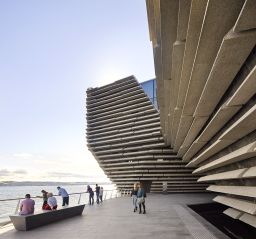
(149, 88)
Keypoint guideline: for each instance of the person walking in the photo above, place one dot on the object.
(91, 195)
(141, 198)
(97, 190)
(134, 197)
(65, 197)
(101, 194)
(27, 206)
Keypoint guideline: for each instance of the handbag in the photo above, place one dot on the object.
(141, 200)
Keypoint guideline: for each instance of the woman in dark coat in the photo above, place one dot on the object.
(141, 198)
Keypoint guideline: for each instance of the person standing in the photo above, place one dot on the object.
(65, 197)
(141, 198)
(44, 198)
(101, 194)
(91, 195)
(27, 206)
(134, 196)
(97, 190)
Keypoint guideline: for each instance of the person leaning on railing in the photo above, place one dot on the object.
(91, 195)
(44, 198)
(65, 197)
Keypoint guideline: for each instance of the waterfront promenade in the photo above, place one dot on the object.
(167, 217)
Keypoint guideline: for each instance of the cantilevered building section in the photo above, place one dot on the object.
(205, 57)
(124, 135)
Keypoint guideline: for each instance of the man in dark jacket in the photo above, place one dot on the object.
(91, 195)
(97, 190)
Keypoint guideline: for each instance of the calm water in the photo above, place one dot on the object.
(8, 192)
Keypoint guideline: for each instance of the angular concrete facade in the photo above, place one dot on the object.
(205, 64)
(124, 135)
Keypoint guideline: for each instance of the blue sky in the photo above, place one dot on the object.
(51, 52)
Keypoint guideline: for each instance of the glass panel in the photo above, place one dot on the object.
(149, 88)
(154, 88)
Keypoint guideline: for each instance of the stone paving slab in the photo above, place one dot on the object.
(167, 217)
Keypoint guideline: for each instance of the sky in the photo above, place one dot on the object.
(51, 51)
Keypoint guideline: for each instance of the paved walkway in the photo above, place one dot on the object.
(167, 217)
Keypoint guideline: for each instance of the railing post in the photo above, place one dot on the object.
(79, 198)
(17, 207)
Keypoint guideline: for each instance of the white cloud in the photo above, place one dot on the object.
(57, 166)
(66, 176)
(20, 171)
(23, 155)
(6, 174)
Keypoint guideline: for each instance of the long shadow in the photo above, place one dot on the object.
(213, 213)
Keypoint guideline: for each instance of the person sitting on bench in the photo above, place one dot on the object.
(27, 206)
(51, 202)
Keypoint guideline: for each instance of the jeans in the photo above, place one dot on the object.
(65, 201)
(134, 201)
(91, 199)
(97, 198)
(143, 205)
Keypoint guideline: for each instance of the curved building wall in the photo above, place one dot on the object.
(205, 64)
(124, 135)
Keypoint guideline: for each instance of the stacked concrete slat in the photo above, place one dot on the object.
(124, 135)
(208, 105)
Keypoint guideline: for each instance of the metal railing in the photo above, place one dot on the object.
(107, 194)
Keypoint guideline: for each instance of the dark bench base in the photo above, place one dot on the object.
(25, 223)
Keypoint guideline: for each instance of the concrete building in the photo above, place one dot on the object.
(205, 57)
(124, 135)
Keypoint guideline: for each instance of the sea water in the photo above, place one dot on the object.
(12, 192)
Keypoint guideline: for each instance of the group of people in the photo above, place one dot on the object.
(99, 194)
(50, 202)
(138, 195)
(27, 206)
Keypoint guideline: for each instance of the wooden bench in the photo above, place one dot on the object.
(27, 222)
